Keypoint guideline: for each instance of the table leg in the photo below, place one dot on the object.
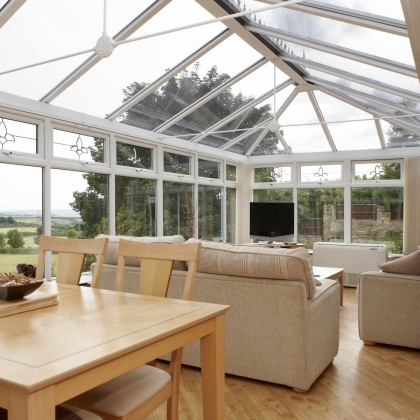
(213, 371)
(35, 406)
(340, 279)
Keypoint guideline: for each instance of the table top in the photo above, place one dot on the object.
(87, 328)
(326, 272)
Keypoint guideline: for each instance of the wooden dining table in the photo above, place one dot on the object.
(50, 355)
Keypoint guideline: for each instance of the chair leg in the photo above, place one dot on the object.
(368, 343)
(175, 371)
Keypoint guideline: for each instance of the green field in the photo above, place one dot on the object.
(8, 262)
(20, 229)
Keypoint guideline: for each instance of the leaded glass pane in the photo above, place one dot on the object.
(78, 146)
(320, 173)
(20, 219)
(18, 136)
(377, 171)
(135, 206)
(210, 213)
(178, 209)
(320, 215)
(177, 164)
(208, 169)
(282, 195)
(377, 216)
(273, 174)
(134, 156)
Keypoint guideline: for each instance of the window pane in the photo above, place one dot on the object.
(377, 216)
(320, 173)
(134, 156)
(398, 137)
(208, 169)
(78, 146)
(20, 219)
(320, 215)
(273, 174)
(209, 213)
(230, 173)
(18, 136)
(231, 215)
(284, 195)
(377, 171)
(177, 164)
(135, 209)
(178, 209)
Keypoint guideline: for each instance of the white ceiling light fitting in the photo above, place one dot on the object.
(105, 44)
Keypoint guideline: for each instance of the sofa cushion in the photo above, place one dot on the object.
(257, 262)
(409, 264)
(111, 256)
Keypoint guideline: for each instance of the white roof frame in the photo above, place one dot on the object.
(411, 10)
(9, 9)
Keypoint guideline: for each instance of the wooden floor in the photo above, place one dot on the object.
(363, 382)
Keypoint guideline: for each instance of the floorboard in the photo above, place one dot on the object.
(363, 382)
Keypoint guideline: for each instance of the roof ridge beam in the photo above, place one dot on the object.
(384, 87)
(348, 53)
(94, 59)
(9, 9)
(210, 95)
(169, 74)
(353, 17)
(241, 110)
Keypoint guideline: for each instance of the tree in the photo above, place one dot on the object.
(2, 240)
(15, 239)
(37, 237)
(71, 233)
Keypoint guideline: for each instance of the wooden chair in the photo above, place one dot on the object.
(137, 393)
(71, 257)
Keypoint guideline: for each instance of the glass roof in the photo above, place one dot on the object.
(206, 79)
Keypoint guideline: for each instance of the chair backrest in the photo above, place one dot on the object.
(71, 257)
(156, 265)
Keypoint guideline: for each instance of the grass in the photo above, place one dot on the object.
(8, 262)
(20, 229)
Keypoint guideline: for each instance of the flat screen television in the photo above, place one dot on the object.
(272, 221)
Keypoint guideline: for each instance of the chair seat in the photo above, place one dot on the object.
(123, 394)
(65, 412)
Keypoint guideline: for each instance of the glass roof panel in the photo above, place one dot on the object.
(269, 145)
(388, 8)
(351, 135)
(361, 69)
(100, 90)
(248, 120)
(241, 93)
(221, 63)
(398, 137)
(342, 34)
(397, 100)
(303, 139)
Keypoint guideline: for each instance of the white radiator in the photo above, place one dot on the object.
(354, 258)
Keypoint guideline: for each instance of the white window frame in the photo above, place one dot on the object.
(377, 183)
(205, 180)
(171, 175)
(305, 184)
(266, 185)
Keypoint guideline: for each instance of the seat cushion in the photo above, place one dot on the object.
(123, 394)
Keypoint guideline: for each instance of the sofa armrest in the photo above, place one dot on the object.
(389, 308)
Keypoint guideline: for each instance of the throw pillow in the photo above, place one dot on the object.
(409, 264)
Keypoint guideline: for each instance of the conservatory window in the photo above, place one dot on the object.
(210, 213)
(230, 173)
(135, 206)
(78, 146)
(378, 171)
(273, 174)
(176, 163)
(18, 136)
(320, 173)
(208, 169)
(134, 156)
(231, 215)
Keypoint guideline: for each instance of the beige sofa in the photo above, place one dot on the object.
(389, 309)
(281, 327)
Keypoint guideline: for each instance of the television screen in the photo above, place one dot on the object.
(272, 220)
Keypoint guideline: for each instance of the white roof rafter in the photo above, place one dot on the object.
(9, 9)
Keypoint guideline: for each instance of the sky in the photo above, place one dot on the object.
(44, 29)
